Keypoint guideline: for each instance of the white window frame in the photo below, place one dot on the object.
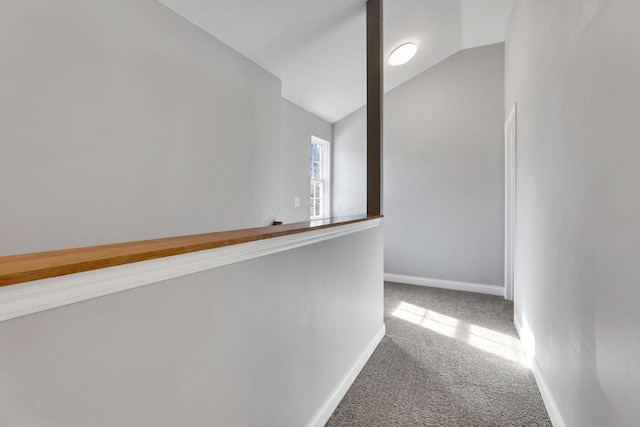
(325, 159)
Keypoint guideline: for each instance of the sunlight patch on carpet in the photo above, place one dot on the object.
(487, 340)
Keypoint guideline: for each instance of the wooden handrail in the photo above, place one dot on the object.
(41, 265)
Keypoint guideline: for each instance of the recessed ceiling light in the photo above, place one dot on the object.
(402, 54)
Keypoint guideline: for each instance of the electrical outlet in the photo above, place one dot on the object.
(296, 202)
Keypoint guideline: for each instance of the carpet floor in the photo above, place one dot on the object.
(448, 359)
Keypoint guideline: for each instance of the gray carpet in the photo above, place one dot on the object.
(448, 359)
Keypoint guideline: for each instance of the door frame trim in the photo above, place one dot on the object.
(510, 153)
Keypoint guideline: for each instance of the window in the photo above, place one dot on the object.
(320, 171)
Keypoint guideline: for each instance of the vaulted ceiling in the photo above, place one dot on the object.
(317, 47)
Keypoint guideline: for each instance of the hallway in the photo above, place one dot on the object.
(449, 358)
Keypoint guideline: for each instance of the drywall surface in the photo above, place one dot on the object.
(120, 121)
(443, 170)
(298, 127)
(349, 178)
(259, 343)
(572, 67)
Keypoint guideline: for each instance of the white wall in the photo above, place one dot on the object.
(258, 343)
(121, 121)
(572, 66)
(443, 170)
(349, 179)
(298, 127)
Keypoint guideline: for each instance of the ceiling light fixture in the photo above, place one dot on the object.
(402, 54)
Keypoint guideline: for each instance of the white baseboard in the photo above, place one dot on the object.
(445, 284)
(547, 397)
(322, 416)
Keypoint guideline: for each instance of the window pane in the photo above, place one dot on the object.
(315, 153)
(316, 170)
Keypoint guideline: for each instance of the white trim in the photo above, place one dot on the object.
(326, 175)
(545, 392)
(445, 284)
(510, 190)
(324, 413)
(39, 295)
